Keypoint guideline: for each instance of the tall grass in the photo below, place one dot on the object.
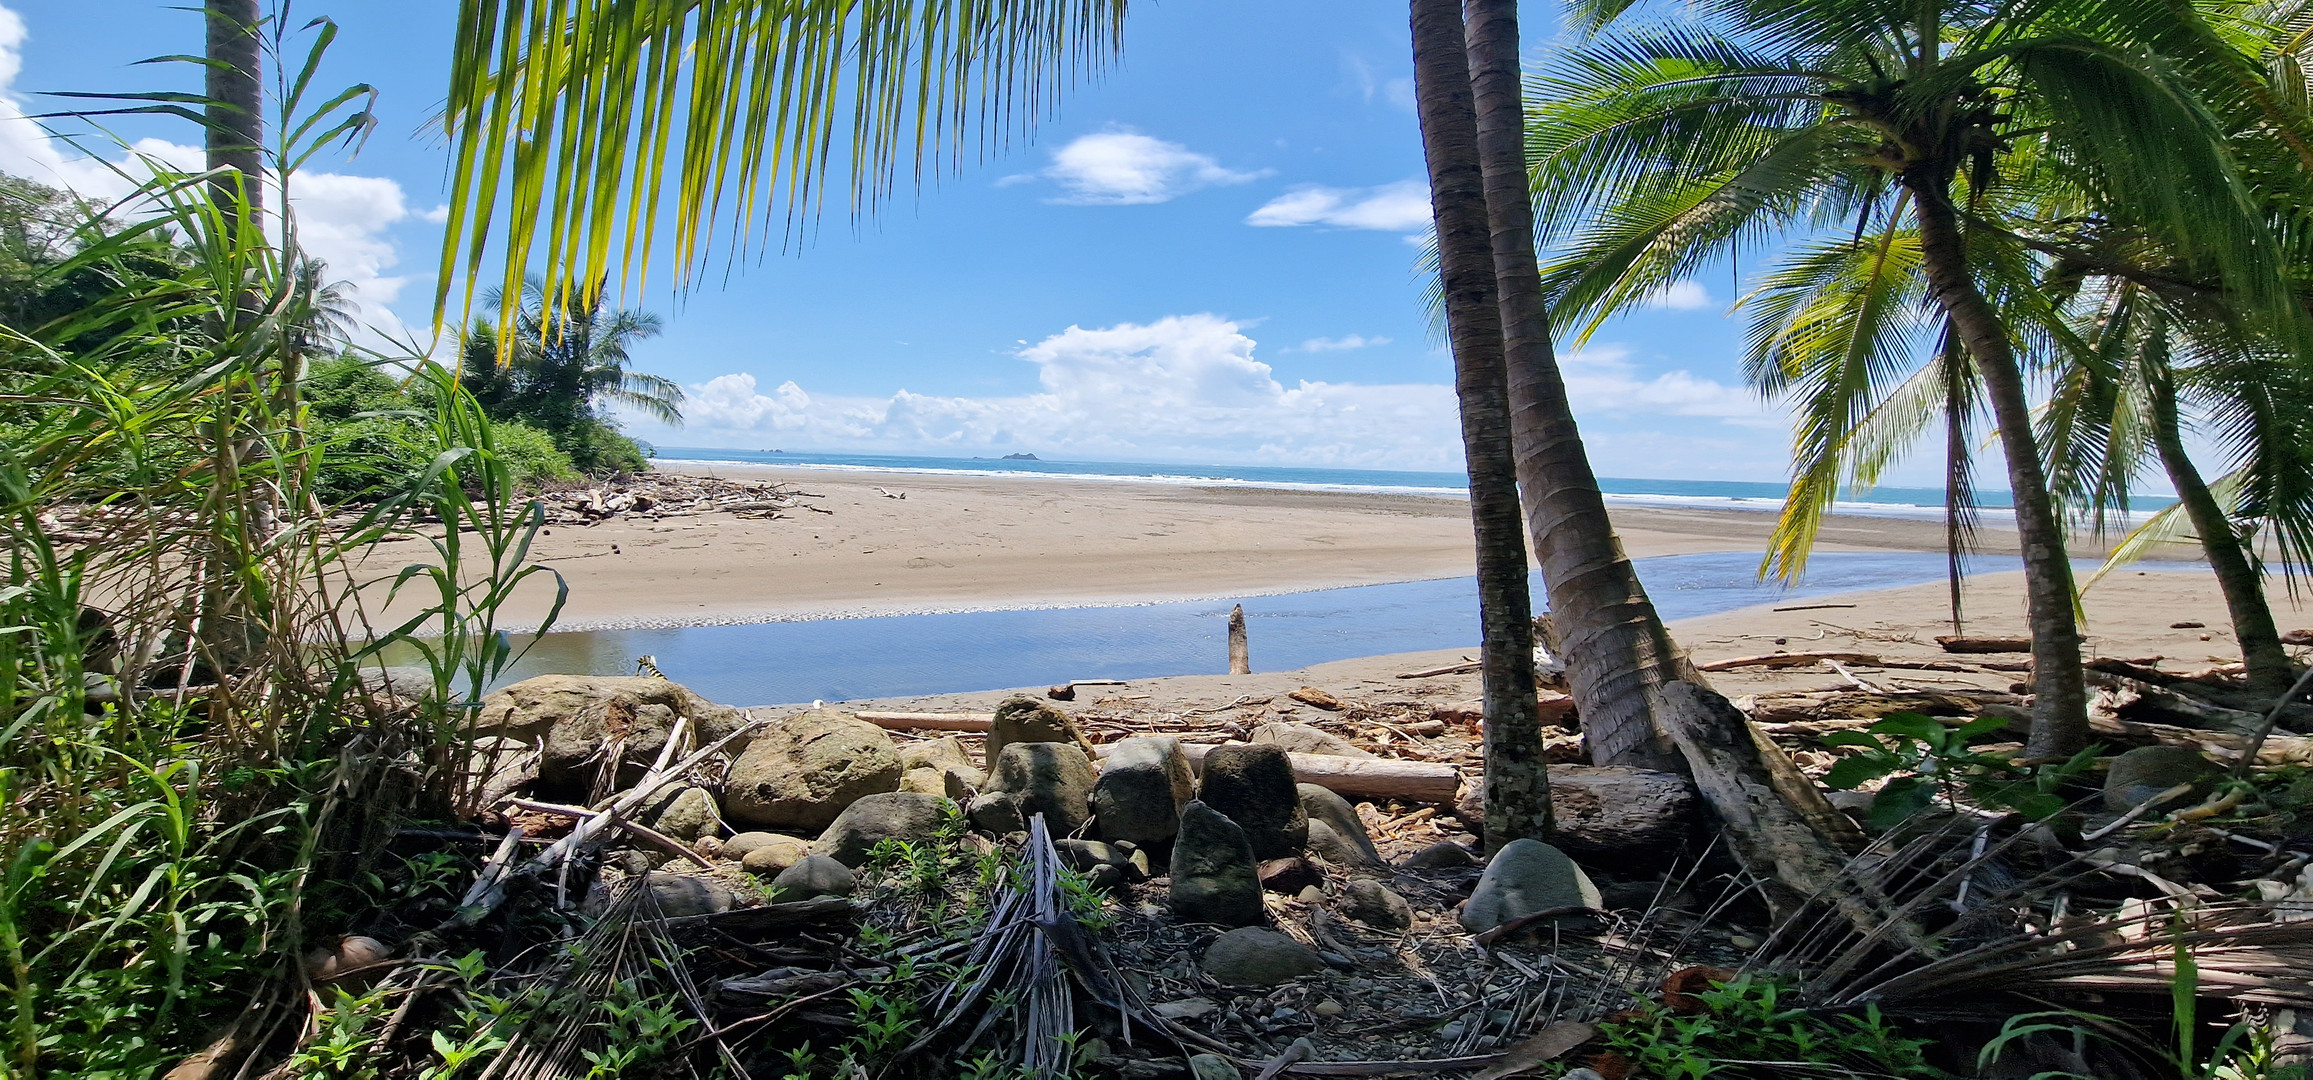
(189, 754)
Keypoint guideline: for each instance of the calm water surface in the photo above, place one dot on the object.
(847, 659)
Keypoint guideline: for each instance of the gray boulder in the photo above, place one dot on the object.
(894, 815)
(996, 812)
(1336, 834)
(1443, 855)
(2140, 775)
(1376, 905)
(1258, 956)
(687, 816)
(1306, 739)
(955, 775)
(1214, 876)
(1213, 1067)
(737, 847)
(802, 771)
(1526, 876)
(1253, 786)
(1025, 720)
(572, 719)
(1050, 778)
(1143, 784)
(1082, 855)
(814, 876)
(681, 895)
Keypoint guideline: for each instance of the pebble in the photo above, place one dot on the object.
(1452, 1032)
(1742, 941)
(1328, 1008)
(1312, 894)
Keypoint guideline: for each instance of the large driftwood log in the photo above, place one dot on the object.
(1953, 643)
(917, 721)
(1618, 810)
(1848, 705)
(1240, 658)
(1365, 778)
(2142, 702)
(1790, 659)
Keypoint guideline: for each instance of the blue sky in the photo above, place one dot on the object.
(1206, 257)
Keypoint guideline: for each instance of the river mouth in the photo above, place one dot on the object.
(955, 652)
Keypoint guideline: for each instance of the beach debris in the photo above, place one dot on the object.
(873, 819)
(1214, 877)
(1062, 692)
(891, 494)
(1364, 778)
(1144, 782)
(1956, 643)
(1258, 956)
(1240, 655)
(1789, 659)
(1463, 668)
(662, 494)
(1253, 786)
(648, 666)
(1050, 778)
(803, 770)
(1525, 878)
(1310, 695)
(1336, 833)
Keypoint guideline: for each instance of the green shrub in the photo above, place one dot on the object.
(531, 455)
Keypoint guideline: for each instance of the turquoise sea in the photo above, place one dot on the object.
(1908, 502)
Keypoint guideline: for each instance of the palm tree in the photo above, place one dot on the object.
(1517, 781)
(1663, 149)
(566, 366)
(572, 125)
(235, 105)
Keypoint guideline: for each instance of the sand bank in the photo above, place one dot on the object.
(978, 542)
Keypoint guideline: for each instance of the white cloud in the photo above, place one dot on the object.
(1602, 382)
(1121, 167)
(1188, 388)
(1341, 344)
(341, 219)
(1688, 295)
(1400, 207)
(1371, 84)
(1185, 387)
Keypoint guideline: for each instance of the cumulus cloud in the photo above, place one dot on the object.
(341, 219)
(1343, 343)
(1184, 387)
(1187, 388)
(1603, 382)
(1121, 167)
(1688, 295)
(1400, 207)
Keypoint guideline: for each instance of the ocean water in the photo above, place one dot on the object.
(889, 656)
(1903, 502)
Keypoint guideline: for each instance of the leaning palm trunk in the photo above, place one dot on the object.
(2260, 639)
(2060, 695)
(1517, 785)
(1612, 642)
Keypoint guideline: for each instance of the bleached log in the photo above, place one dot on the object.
(923, 721)
(1791, 659)
(1240, 659)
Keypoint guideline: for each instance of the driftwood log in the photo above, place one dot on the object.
(1615, 810)
(2143, 702)
(922, 721)
(1954, 643)
(1240, 657)
(1790, 659)
(1553, 709)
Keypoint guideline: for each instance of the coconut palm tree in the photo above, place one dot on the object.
(1662, 148)
(1517, 782)
(564, 368)
(564, 122)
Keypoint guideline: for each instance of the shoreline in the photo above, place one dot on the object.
(920, 543)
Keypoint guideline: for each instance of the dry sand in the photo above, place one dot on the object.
(960, 543)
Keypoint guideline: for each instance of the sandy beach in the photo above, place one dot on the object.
(974, 542)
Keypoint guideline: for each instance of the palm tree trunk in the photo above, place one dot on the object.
(1610, 638)
(2060, 695)
(1517, 784)
(236, 108)
(2269, 668)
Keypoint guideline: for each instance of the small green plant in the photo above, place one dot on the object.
(2243, 1052)
(1933, 759)
(1750, 1022)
